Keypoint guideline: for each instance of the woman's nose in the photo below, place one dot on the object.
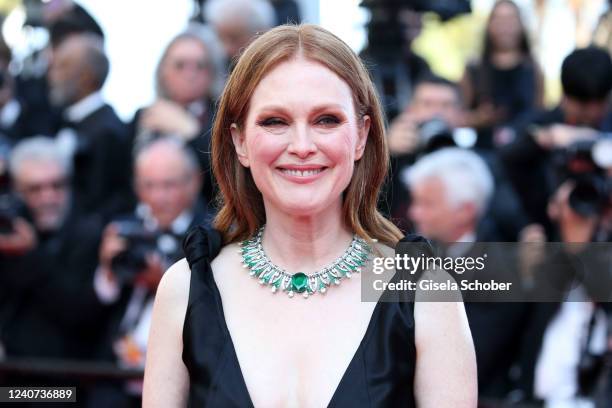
(301, 142)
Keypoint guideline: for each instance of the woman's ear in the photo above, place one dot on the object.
(239, 144)
(362, 136)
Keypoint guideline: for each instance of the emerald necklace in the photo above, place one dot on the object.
(255, 259)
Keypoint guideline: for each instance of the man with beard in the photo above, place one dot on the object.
(92, 133)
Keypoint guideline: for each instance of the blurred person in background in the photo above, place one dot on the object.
(287, 11)
(434, 99)
(91, 134)
(188, 81)
(451, 189)
(47, 262)
(137, 248)
(531, 157)
(61, 18)
(13, 118)
(237, 21)
(564, 361)
(432, 120)
(602, 36)
(394, 67)
(506, 84)
(66, 17)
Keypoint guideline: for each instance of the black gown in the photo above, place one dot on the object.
(380, 374)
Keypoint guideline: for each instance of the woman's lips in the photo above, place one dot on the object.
(301, 174)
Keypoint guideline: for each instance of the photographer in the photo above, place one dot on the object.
(436, 101)
(586, 77)
(137, 248)
(47, 261)
(432, 121)
(565, 364)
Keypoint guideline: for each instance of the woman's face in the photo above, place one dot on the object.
(301, 137)
(505, 27)
(185, 71)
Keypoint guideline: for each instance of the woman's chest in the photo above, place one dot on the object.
(295, 352)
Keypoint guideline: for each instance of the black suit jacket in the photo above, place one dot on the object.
(104, 349)
(497, 326)
(49, 308)
(101, 177)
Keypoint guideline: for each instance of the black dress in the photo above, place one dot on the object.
(512, 89)
(380, 374)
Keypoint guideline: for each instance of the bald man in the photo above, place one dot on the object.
(92, 135)
(167, 183)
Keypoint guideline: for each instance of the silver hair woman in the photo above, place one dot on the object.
(188, 79)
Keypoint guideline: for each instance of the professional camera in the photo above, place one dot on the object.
(436, 134)
(586, 162)
(141, 241)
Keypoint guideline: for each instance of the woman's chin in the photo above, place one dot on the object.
(301, 209)
(305, 207)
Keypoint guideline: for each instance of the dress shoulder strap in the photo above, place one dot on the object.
(201, 243)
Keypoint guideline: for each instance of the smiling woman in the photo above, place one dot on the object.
(299, 153)
(310, 135)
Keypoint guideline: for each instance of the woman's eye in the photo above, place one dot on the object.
(328, 120)
(271, 122)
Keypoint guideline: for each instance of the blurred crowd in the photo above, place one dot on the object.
(93, 210)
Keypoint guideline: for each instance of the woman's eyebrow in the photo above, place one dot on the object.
(272, 108)
(314, 109)
(329, 106)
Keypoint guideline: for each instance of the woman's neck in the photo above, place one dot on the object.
(505, 59)
(305, 243)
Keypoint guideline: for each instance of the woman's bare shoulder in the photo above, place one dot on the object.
(226, 255)
(164, 369)
(174, 285)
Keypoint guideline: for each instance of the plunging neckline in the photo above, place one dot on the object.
(234, 355)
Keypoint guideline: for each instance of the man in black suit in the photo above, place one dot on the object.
(451, 189)
(48, 309)
(92, 134)
(137, 248)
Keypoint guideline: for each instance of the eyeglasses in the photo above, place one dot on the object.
(36, 188)
(182, 64)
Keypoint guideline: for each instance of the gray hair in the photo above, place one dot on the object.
(258, 14)
(38, 149)
(171, 143)
(465, 176)
(207, 37)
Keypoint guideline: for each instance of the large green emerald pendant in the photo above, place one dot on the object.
(299, 282)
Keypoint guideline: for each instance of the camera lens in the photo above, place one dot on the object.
(587, 198)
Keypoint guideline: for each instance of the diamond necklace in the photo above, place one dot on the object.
(269, 274)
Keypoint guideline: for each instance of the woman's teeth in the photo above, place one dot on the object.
(301, 173)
